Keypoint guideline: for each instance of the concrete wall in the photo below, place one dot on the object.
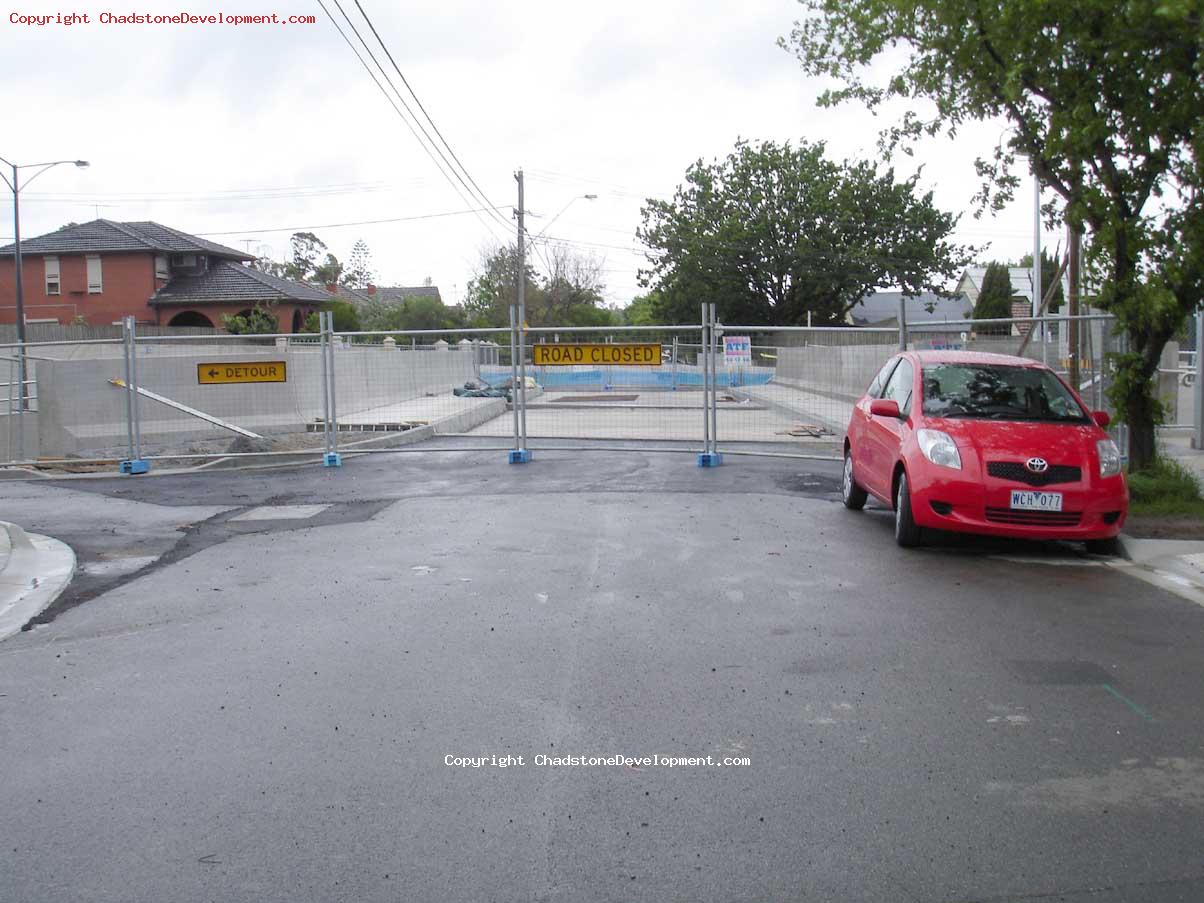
(81, 412)
(11, 431)
(843, 371)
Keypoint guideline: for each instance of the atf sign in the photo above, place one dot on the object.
(241, 372)
(626, 355)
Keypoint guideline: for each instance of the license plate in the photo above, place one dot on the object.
(1027, 500)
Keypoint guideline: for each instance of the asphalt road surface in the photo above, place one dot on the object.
(239, 704)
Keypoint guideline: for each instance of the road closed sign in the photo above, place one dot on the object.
(642, 354)
(227, 372)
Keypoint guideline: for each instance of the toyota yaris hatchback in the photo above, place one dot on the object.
(983, 443)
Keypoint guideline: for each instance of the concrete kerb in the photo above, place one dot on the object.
(1174, 565)
(34, 569)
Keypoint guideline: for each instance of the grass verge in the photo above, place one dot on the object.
(1166, 489)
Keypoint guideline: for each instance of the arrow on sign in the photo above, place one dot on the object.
(213, 373)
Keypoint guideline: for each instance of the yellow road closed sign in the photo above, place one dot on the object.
(225, 372)
(641, 354)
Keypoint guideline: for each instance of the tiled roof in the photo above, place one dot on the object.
(391, 294)
(101, 235)
(227, 282)
(400, 292)
(1021, 278)
(883, 307)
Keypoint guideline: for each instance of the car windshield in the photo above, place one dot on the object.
(998, 393)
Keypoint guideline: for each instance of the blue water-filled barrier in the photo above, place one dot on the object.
(628, 377)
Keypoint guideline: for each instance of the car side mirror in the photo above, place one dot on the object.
(1101, 419)
(884, 407)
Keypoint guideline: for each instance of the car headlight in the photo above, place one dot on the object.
(938, 448)
(1109, 458)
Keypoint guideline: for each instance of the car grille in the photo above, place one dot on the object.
(1034, 518)
(1017, 472)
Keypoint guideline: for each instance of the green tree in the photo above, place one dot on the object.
(328, 272)
(307, 249)
(994, 299)
(256, 321)
(1103, 98)
(412, 312)
(346, 318)
(774, 231)
(644, 310)
(1049, 269)
(494, 287)
(359, 272)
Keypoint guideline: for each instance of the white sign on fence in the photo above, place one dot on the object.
(737, 350)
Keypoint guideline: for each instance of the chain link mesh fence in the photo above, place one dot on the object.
(777, 391)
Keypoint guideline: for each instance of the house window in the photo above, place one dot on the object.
(95, 286)
(188, 261)
(161, 271)
(54, 285)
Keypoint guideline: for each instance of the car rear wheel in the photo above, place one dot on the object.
(853, 495)
(907, 533)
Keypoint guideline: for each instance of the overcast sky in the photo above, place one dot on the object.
(249, 133)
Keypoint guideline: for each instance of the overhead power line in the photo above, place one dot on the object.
(366, 222)
(480, 193)
(469, 199)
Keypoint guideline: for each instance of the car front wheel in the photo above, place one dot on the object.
(907, 533)
(853, 495)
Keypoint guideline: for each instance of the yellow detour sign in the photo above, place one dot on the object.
(224, 372)
(643, 354)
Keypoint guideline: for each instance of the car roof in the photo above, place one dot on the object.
(975, 357)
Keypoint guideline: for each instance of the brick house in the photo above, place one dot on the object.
(101, 271)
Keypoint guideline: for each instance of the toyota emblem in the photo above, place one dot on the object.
(1037, 465)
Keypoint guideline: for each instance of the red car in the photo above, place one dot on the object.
(984, 443)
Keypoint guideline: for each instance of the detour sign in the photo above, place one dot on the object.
(241, 372)
(642, 354)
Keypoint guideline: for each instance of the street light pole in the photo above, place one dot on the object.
(15, 185)
(20, 282)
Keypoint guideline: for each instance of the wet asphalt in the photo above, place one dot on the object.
(232, 709)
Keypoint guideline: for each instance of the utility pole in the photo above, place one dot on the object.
(520, 394)
(1037, 293)
(1073, 243)
(21, 365)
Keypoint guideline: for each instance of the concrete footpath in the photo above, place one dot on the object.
(34, 569)
(1174, 565)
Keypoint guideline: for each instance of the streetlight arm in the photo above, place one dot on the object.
(44, 167)
(548, 225)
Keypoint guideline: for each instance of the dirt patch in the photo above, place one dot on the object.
(1164, 526)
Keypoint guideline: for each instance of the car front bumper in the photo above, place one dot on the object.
(1092, 509)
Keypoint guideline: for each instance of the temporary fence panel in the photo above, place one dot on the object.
(394, 388)
(775, 391)
(792, 390)
(613, 385)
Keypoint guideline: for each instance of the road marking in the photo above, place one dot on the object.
(281, 512)
(1172, 583)
(1127, 701)
(1054, 562)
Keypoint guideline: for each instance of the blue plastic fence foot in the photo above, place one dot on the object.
(135, 466)
(520, 455)
(709, 459)
(332, 459)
